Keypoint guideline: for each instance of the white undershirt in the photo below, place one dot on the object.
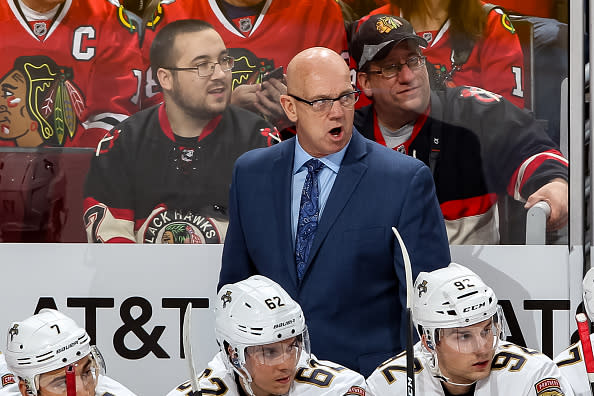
(397, 137)
(32, 15)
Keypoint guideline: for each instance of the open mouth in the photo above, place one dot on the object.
(335, 131)
(5, 130)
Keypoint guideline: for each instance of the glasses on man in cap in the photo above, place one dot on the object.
(391, 71)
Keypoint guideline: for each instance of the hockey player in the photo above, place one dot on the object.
(8, 384)
(68, 72)
(477, 144)
(163, 175)
(461, 352)
(51, 355)
(571, 361)
(264, 346)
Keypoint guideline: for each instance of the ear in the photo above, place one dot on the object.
(165, 78)
(23, 388)
(365, 84)
(288, 105)
(428, 344)
(233, 358)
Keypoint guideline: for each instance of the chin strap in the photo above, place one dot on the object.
(70, 380)
(447, 380)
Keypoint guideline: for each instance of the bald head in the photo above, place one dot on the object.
(313, 65)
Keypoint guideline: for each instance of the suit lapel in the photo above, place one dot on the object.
(347, 180)
(281, 181)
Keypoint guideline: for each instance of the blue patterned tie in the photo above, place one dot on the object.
(309, 211)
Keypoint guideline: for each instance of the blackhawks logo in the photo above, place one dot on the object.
(387, 23)
(42, 105)
(248, 68)
(135, 24)
(176, 227)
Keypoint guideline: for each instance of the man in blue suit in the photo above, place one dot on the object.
(315, 213)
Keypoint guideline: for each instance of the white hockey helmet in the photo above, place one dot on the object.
(256, 311)
(452, 297)
(588, 293)
(45, 342)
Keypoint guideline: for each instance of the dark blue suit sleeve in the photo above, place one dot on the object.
(422, 229)
(236, 263)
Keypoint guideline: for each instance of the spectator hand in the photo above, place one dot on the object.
(269, 102)
(555, 194)
(245, 96)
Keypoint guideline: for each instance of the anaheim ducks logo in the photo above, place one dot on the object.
(248, 68)
(40, 105)
(386, 24)
(176, 227)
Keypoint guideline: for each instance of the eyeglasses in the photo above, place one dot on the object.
(346, 100)
(390, 71)
(206, 69)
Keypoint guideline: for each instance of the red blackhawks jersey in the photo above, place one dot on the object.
(482, 146)
(496, 62)
(146, 185)
(259, 43)
(66, 80)
(141, 33)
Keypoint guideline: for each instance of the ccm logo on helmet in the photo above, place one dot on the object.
(66, 347)
(283, 324)
(474, 307)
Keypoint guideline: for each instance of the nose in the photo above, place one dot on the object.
(406, 73)
(84, 388)
(337, 110)
(217, 72)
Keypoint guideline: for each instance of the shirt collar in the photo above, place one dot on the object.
(332, 161)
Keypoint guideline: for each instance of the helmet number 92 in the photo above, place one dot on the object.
(274, 302)
(461, 286)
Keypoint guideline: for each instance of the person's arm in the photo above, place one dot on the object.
(422, 229)
(108, 210)
(236, 262)
(555, 194)
(502, 59)
(547, 376)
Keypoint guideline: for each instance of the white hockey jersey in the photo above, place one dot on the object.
(572, 366)
(515, 371)
(319, 378)
(105, 385)
(8, 381)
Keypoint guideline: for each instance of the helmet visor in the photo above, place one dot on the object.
(471, 339)
(277, 352)
(86, 373)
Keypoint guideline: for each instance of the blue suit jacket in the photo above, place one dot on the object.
(353, 292)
